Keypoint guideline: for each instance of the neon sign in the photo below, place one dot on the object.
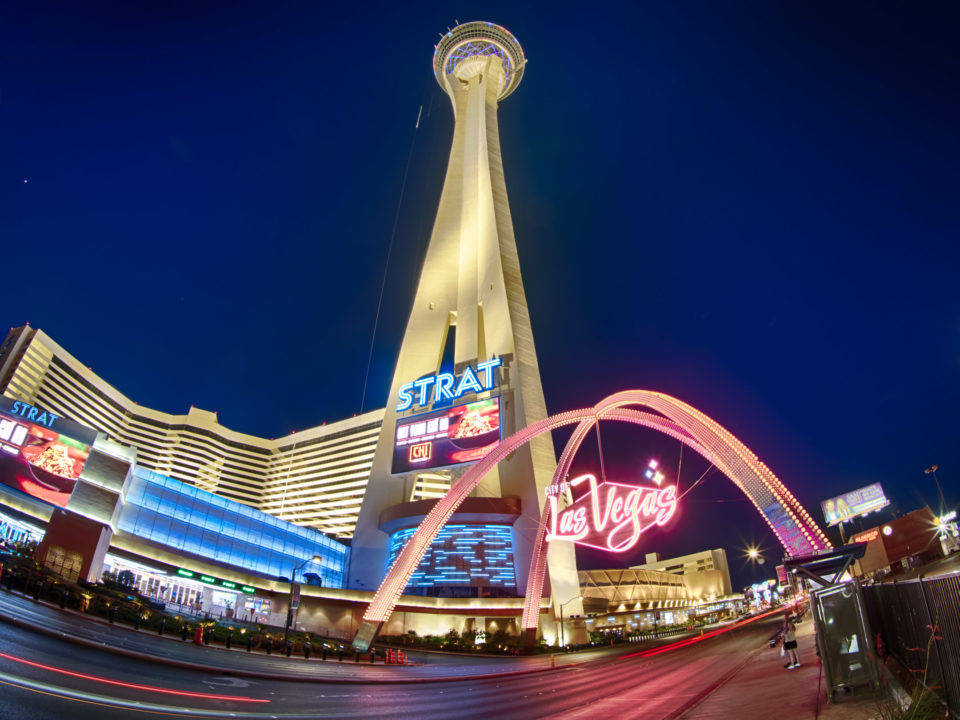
(33, 414)
(865, 537)
(421, 453)
(610, 516)
(446, 386)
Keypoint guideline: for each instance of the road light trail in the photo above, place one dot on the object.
(699, 638)
(149, 708)
(134, 686)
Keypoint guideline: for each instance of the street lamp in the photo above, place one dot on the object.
(293, 583)
(932, 470)
(562, 641)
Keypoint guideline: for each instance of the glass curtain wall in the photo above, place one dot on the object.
(185, 518)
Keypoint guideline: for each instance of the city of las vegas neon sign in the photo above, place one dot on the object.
(610, 516)
(447, 386)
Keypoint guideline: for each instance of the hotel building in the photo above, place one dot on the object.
(315, 478)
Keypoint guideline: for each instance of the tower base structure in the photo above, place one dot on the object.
(791, 523)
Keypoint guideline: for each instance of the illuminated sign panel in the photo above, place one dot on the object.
(447, 387)
(865, 537)
(41, 453)
(610, 516)
(782, 577)
(459, 434)
(849, 505)
(209, 580)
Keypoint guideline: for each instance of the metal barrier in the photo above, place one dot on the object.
(918, 623)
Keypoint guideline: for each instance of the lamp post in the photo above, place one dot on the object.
(293, 582)
(562, 641)
(932, 470)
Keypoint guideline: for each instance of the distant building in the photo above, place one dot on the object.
(314, 478)
(712, 574)
(660, 592)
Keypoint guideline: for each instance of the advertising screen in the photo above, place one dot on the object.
(858, 502)
(782, 577)
(37, 455)
(459, 434)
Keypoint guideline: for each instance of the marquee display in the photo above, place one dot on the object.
(41, 453)
(454, 435)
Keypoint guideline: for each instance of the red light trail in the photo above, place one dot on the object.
(699, 638)
(134, 686)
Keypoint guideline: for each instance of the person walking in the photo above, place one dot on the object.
(789, 633)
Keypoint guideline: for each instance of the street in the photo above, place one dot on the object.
(101, 684)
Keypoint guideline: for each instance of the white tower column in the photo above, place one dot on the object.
(471, 280)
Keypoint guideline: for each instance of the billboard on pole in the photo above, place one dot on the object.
(853, 504)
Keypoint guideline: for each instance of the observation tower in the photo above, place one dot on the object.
(469, 316)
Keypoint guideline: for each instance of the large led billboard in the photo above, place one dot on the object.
(41, 453)
(454, 435)
(858, 502)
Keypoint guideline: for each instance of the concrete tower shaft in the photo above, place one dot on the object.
(471, 282)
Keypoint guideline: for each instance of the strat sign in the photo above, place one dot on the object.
(447, 386)
(610, 516)
(33, 414)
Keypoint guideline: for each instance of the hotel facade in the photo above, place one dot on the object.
(209, 519)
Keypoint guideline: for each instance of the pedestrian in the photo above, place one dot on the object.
(789, 633)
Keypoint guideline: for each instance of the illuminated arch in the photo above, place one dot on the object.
(792, 525)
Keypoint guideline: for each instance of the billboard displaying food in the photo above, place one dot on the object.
(454, 435)
(41, 453)
(852, 504)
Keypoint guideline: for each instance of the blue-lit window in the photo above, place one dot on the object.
(462, 561)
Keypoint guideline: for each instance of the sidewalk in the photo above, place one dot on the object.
(762, 688)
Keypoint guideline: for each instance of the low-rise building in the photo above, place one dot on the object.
(905, 542)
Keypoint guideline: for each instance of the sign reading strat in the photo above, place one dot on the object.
(610, 516)
(459, 434)
(446, 386)
(41, 453)
(858, 502)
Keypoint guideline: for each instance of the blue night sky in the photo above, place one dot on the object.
(750, 206)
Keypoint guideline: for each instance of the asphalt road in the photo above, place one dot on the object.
(652, 687)
(170, 648)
